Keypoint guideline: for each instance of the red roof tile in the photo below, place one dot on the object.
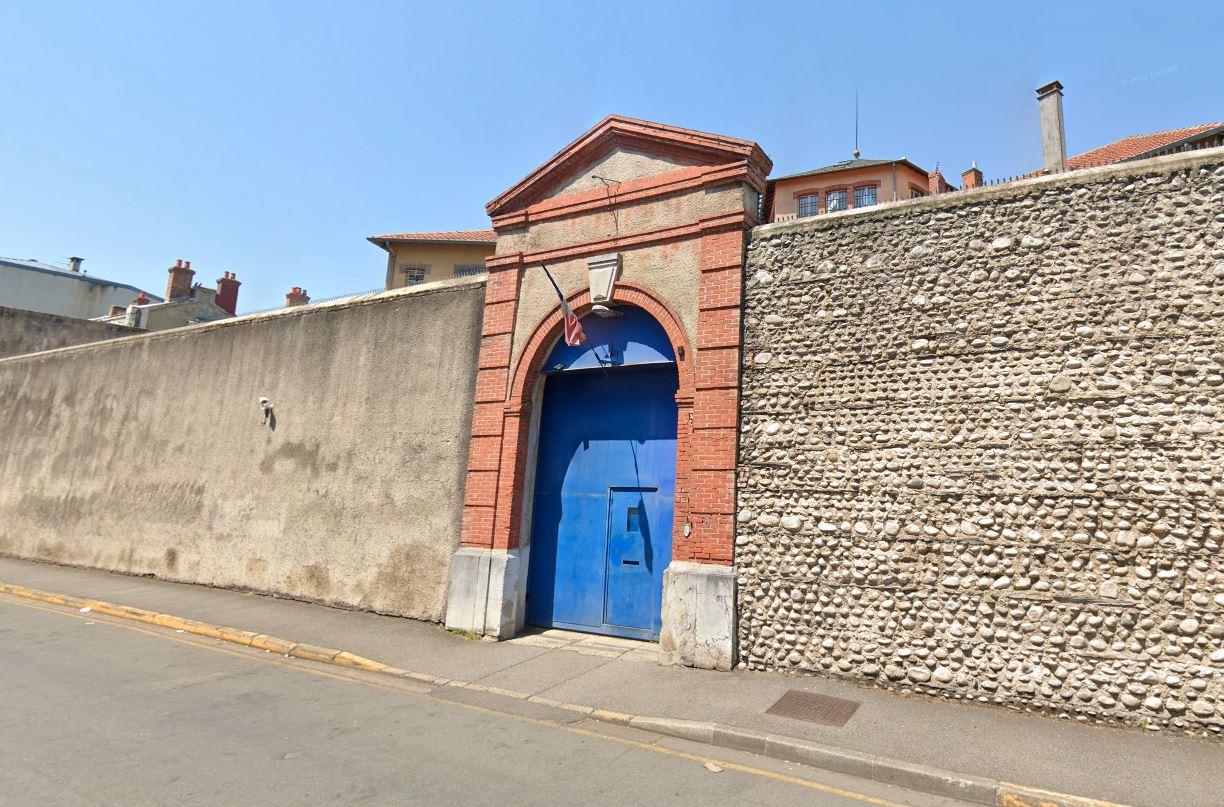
(480, 236)
(1133, 146)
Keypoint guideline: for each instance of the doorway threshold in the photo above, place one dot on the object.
(589, 644)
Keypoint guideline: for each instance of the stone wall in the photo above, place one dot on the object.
(151, 455)
(24, 331)
(982, 445)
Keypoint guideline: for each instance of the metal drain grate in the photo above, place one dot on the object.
(809, 706)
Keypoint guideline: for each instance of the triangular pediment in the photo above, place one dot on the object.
(621, 164)
(623, 149)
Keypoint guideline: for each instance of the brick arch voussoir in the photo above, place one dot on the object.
(548, 330)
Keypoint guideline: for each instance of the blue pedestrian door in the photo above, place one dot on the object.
(605, 485)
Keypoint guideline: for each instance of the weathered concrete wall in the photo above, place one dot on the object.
(982, 447)
(150, 454)
(31, 331)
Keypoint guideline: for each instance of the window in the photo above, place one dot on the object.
(864, 197)
(414, 273)
(468, 269)
(809, 205)
(916, 194)
(835, 201)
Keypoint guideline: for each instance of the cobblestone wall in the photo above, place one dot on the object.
(982, 450)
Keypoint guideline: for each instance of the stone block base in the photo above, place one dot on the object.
(698, 616)
(487, 592)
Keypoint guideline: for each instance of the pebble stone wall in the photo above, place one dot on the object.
(982, 445)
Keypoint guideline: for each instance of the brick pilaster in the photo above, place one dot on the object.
(486, 455)
(708, 460)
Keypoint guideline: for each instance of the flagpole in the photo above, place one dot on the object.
(544, 266)
(574, 335)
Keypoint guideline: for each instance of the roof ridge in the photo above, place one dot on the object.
(1131, 146)
(441, 235)
(1195, 128)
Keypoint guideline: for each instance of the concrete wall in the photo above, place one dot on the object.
(151, 455)
(31, 331)
(982, 448)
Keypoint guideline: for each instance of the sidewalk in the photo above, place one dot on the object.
(1121, 765)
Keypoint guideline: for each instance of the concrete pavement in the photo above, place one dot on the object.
(1119, 765)
(95, 710)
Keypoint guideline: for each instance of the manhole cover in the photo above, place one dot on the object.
(809, 706)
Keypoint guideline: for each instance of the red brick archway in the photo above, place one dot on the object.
(527, 376)
(708, 398)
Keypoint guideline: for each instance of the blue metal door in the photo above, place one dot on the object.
(638, 518)
(605, 485)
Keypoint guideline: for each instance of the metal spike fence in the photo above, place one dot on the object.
(319, 300)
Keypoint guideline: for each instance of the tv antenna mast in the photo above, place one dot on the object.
(856, 125)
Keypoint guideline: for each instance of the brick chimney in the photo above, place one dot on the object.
(116, 310)
(296, 296)
(179, 285)
(1053, 135)
(936, 184)
(227, 291)
(972, 178)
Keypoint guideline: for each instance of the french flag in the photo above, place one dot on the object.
(574, 335)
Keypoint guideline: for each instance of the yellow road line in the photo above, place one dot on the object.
(301, 667)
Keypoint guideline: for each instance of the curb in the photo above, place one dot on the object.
(910, 776)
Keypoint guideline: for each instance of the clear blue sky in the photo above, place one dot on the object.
(270, 139)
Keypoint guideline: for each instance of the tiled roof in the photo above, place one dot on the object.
(847, 165)
(1135, 145)
(476, 236)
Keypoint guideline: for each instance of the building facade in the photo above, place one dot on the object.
(414, 258)
(845, 186)
(186, 303)
(31, 285)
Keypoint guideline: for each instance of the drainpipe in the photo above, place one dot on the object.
(390, 264)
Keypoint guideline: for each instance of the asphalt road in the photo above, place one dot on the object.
(95, 710)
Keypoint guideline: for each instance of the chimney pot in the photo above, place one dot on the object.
(1053, 132)
(227, 292)
(179, 284)
(296, 296)
(936, 184)
(74, 264)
